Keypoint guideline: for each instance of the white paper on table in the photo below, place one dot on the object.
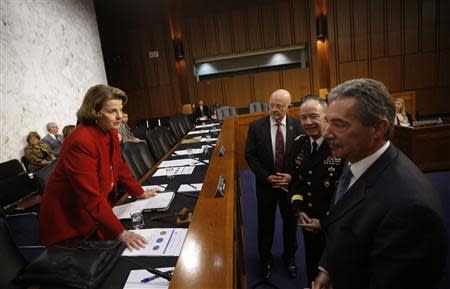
(215, 130)
(198, 131)
(159, 201)
(160, 187)
(135, 277)
(161, 242)
(187, 188)
(206, 125)
(204, 139)
(185, 152)
(175, 163)
(176, 171)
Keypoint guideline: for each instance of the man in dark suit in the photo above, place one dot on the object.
(202, 112)
(53, 138)
(269, 154)
(314, 180)
(385, 229)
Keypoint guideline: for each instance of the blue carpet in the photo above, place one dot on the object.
(440, 180)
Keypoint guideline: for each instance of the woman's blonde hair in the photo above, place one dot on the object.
(94, 99)
(402, 110)
(32, 134)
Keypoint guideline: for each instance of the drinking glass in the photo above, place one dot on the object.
(137, 220)
(170, 173)
(190, 152)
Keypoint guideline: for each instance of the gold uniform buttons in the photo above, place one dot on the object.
(308, 183)
(309, 194)
(310, 205)
(310, 172)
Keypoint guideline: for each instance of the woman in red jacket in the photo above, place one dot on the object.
(81, 191)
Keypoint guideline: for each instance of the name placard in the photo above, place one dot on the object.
(221, 184)
(222, 151)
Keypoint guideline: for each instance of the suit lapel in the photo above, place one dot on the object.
(358, 190)
(289, 135)
(266, 133)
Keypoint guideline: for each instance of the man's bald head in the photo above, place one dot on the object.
(279, 103)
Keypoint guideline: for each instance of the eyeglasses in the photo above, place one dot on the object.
(277, 106)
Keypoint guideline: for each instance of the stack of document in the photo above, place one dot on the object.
(185, 152)
(198, 132)
(206, 125)
(161, 202)
(176, 171)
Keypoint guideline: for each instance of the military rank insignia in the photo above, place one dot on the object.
(332, 160)
(299, 159)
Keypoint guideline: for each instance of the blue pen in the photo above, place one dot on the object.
(148, 279)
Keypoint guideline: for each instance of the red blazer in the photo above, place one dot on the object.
(75, 202)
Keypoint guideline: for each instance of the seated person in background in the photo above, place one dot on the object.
(402, 117)
(37, 153)
(53, 138)
(202, 112)
(67, 130)
(77, 202)
(125, 134)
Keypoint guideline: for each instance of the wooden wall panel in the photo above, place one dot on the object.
(419, 71)
(195, 40)
(162, 102)
(389, 71)
(411, 26)
(344, 36)
(299, 20)
(426, 101)
(265, 83)
(444, 27)
(269, 26)
(296, 81)
(138, 106)
(360, 30)
(237, 90)
(211, 44)
(444, 70)
(284, 23)
(394, 27)
(377, 28)
(240, 31)
(254, 28)
(351, 70)
(210, 91)
(224, 33)
(160, 63)
(428, 25)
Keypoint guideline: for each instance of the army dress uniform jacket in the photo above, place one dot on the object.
(315, 178)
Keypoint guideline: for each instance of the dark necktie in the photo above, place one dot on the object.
(279, 149)
(344, 182)
(314, 147)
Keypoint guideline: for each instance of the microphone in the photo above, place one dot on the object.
(165, 275)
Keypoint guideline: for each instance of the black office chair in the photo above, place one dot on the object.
(23, 228)
(176, 128)
(258, 106)
(155, 146)
(137, 157)
(42, 175)
(10, 168)
(225, 111)
(164, 136)
(9, 253)
(15, 189)
(127, 156)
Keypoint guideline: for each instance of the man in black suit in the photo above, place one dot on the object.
(202, 112)
(269, 154)
(314, 180)
(385, 229)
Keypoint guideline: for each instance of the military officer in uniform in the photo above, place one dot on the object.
(314, 180)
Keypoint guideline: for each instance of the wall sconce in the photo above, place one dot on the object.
(178, 49)
(321, 27)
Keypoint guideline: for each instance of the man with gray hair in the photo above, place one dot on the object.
(53, 138)
(385, 228)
